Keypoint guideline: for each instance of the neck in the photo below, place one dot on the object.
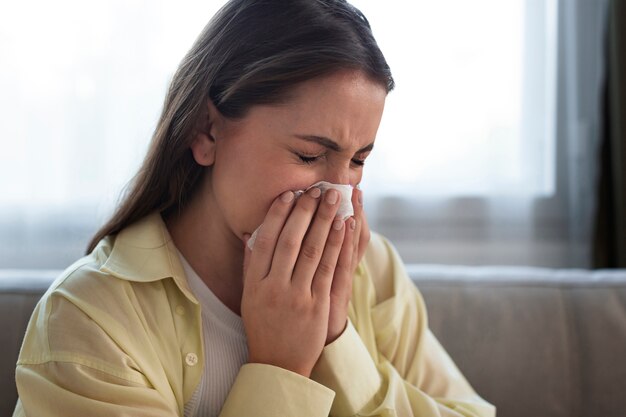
(212, 250)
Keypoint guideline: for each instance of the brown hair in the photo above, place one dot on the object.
(252, 52)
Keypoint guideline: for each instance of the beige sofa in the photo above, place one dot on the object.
(534, 342)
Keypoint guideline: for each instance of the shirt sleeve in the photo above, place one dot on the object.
(388, 363)
(268, 391)
(70, 366)
(67, 388)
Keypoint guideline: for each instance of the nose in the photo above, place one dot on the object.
(340, 175)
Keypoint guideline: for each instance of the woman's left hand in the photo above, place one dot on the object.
(352, 252)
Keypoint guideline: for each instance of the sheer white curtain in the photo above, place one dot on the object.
(82, 86)
(466, 148)
(474, 104)
(464, 169)
(487, 152)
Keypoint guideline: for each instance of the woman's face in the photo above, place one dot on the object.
(323, 132)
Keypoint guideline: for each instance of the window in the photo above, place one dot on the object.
(474, 107)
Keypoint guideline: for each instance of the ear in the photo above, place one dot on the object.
(203, 144)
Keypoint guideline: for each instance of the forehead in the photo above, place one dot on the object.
(345, 83)
(345, 106)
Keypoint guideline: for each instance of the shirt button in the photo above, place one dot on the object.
(191, 359)
(180, 310)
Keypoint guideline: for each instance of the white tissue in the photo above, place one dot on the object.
(344, 211)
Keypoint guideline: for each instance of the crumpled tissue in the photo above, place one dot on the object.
(344, 211)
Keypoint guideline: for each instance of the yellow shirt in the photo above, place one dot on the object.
(119, 334)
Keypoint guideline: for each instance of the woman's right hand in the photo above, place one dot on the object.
(287, 280)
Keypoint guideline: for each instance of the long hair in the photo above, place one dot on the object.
(252, 52)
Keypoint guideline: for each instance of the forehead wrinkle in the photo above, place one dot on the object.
(321, 140)
(331, 144)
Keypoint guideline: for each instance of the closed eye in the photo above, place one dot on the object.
(360, 157)
(309, 159)
(359, 162)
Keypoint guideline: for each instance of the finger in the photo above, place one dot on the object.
(246, 253)
(260, 260)
(314, 243)
(355, 244)
(291, 237)
(364, 239)
(357, 203)
(326, 269)
(343, 270)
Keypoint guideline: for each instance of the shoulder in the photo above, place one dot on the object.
(83, 308)
(84, 282)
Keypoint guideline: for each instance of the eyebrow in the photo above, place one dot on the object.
(331, 144)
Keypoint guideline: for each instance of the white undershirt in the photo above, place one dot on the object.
(225, 349)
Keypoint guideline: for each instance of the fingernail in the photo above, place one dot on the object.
(315, 192)
(352, 224)
(338, 224)
(332, 196)
(287, 197)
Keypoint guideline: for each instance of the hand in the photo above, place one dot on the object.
(356, 240)
(287, 281)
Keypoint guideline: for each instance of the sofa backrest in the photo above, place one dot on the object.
(534, 342)
(548, 343)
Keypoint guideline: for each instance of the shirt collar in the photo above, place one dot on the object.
(145, 252)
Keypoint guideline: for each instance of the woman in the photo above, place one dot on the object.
(171, 314)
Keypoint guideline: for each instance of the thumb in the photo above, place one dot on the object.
(247, 252)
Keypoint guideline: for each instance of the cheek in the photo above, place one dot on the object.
(262, 198)
(247, 183)
(274, 184)
(246, 195)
